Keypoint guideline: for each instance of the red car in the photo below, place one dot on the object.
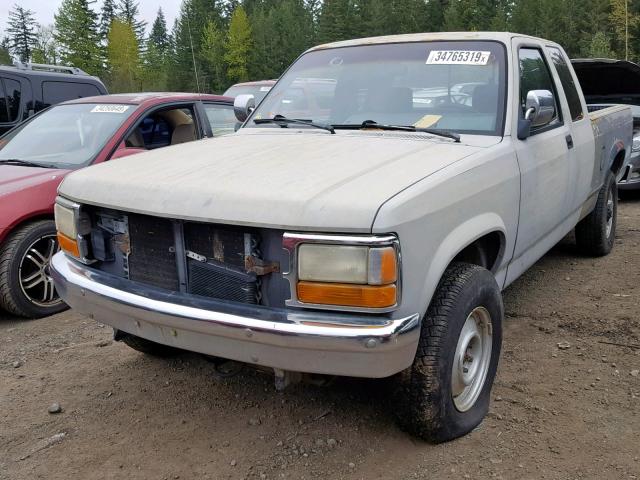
(36, 155)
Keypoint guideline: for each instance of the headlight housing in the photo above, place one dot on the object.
(344, 272)
(72, 224)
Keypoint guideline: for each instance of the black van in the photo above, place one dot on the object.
(26, 88)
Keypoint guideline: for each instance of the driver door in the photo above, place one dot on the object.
(544, 165)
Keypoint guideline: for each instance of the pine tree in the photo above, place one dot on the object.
(107, 14)
(76, 32)
(600, 47)
(238, 46)
(123, 57)
(159, 36)
(156, 56)
(21, 29)
(335, 21)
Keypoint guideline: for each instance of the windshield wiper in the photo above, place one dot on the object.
(402, 128)
(284, 121)
(24, 163)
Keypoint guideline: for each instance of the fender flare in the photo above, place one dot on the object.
(457, 240)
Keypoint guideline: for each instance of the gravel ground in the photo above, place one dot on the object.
(566, 403)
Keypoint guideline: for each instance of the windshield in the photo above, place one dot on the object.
(452, 86)
(66, 136)
(258, 91)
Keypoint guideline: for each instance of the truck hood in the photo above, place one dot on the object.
(15, 178)
(608, 81)
(302, 179)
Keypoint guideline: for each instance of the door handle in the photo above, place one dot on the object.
(569, 140)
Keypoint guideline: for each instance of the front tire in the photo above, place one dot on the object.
(446, 392)
(26, 286)
(596, 233)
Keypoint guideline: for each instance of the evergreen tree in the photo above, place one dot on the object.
(600, 47)
(128, 12)
(335, 21)
(238, 46)
(156, 56)
(5, 53)
(21, 29)
(159, 36)
(123, 57)
(107, 14)
(76, 32)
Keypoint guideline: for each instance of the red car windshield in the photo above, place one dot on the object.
(65, 136)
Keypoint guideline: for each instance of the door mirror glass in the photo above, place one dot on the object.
(540, 108)
(243, 105)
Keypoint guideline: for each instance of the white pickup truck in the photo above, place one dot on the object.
(362, 222)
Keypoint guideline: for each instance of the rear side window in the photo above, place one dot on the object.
(569, 86)
(9, 100)
(221, 118)
(56, 92)
(535, 75)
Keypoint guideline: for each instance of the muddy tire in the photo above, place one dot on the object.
(446, 392)
(596, 233)
(26, 287)
(147, 346)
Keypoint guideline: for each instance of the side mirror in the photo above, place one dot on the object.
(540, 109)
(243, 105)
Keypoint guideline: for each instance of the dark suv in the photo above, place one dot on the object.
(27, 88)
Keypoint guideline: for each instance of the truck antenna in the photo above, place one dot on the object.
(193, 56)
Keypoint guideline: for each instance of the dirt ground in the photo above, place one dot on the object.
(566, 404)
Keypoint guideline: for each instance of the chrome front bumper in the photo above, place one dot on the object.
(304, 341)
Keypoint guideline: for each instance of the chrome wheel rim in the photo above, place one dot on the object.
(35, 279)
(610, 207)
(472, 359)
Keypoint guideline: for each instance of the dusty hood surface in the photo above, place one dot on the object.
(301, 179)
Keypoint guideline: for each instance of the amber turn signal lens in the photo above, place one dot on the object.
(383, 266)
(348, 295)
(68, 245)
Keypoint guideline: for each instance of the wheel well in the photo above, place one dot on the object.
(617, 162)
(484, 251)
(25, 221)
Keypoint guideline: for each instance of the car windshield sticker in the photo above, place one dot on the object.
(427, 121)
(458, 57)
(110, 109)
(265, 89)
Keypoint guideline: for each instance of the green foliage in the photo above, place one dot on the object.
(600, 47)
(5, 54)
(212, 54)
(123, 57)
(214, 43)
(238, 46)
(21, 29)
(76, 32)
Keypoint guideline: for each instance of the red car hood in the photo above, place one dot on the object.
(14, 178)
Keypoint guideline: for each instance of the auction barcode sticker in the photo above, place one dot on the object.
(458, 57)
(110, 109)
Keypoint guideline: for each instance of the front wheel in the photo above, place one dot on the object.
(595, 233)
(26, 286)
(445, 393)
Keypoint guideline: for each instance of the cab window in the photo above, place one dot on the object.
(221, 118)
(568, 84)
(535, 75)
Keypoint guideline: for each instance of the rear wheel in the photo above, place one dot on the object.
(595, 233)
(446, 392)
(26, 286)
